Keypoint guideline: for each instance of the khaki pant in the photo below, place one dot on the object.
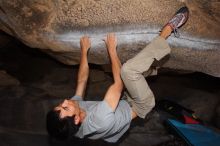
(140, 95)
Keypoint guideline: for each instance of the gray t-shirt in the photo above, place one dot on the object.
(101, 122)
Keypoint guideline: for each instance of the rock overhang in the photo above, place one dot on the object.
(56, 27)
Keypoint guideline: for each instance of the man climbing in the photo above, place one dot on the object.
(110, 118)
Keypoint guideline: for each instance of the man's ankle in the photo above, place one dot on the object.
(166, 31)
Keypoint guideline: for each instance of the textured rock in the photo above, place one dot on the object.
(56, 27)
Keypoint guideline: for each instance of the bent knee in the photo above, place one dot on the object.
(129, 72)
(126, 71)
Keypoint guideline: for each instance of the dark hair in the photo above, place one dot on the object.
(60, 128)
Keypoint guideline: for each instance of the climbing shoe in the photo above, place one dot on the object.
(178, 20)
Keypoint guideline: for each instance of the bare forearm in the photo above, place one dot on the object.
(83, 73)
(83, 69)
(82, 76)
(113, 94)
(116, 65)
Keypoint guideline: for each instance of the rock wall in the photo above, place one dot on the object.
(55, 27)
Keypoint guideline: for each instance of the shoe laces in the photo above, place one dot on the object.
(176, 32)
(175, 22)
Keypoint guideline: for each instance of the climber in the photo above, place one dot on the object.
(110, 118)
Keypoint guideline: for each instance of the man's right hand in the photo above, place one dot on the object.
(85, 44)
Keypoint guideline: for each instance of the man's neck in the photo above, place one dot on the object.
(82, 115)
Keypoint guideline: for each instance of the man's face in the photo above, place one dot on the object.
(68, 108)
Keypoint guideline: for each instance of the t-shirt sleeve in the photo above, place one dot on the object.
(101, 119)
(76, 97)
